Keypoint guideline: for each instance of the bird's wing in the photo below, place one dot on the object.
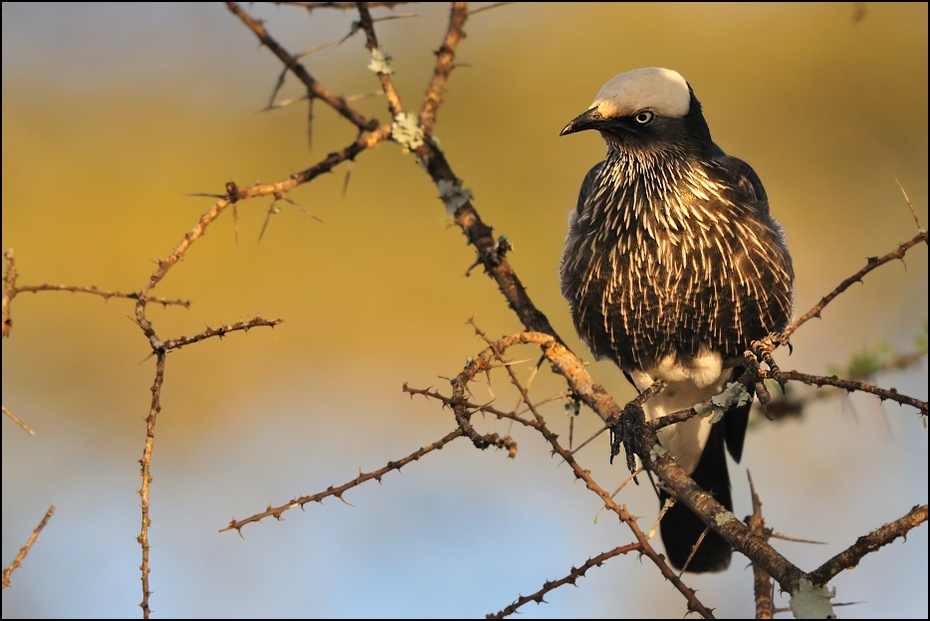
(745, 187)
(588, 185)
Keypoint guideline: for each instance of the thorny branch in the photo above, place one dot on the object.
(220, 332)
(881, 536)
(763, 587)
(480, 364)
(445, 63)
(338, 491)
(146, 470)
(387, 84)
(571, 578)
(233, 195)
(872, 263)
(889, 394)
(314, 88)
(787, 574)
(11, 290)
(23, 551)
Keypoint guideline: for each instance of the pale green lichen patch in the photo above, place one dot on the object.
(406, 131)
(453, 195)
(380, 62)
(812, 601)
(733, 395)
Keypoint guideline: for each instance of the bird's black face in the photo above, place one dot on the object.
(640, 131)
(645, 131)
(593, 119)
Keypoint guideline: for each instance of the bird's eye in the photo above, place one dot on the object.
(645, 117)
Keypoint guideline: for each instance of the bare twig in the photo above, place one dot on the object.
(18, 421)
(552, 348)
(881, 536)
(220, 332)
(571, 578)
(873, 263)
(488, 7)
(445, 63)
(763, 587)
(23, 551)
(338, 491)
(314, 88)
(344, 6)
(106, 295)
(9, 290)
(281, 76)
(146, 471)
(387, 84)
(852, 385)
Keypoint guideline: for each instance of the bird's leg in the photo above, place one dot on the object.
(627, 430)
(762, 350)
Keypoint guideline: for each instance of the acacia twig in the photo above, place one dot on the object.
(551, 347)
(866, 544)
(10, 274)
(106, 295)
(23, 551)
(220, 332)
(314, 88)
(146, 471)
(763, 587)
(571, 578)
(853, 385)
(387, 84)
(872, 263)
(16, 419)
(338, 491)
(445, 63)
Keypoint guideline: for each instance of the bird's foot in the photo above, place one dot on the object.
(628, 431)
(760, 352)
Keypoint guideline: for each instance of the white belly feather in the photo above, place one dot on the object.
(686, 384)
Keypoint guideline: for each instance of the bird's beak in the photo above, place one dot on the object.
(587, 120)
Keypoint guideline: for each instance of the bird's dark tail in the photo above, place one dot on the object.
(681, 528)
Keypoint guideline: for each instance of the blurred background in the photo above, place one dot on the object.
(113, 112)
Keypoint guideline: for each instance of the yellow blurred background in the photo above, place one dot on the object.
(112, 113)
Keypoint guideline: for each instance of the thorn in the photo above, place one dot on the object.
(310, 122)
(206, 194)
(345, 184)
(487, 8)
(908, 201)
(271, 211)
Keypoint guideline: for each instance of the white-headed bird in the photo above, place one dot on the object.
(672, 266)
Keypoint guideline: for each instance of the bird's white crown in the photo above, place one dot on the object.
(662, 91)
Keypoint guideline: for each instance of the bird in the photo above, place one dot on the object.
(672, 267)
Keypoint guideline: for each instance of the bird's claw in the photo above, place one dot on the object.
(759, 353)
(762, 353)
(628, 431)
